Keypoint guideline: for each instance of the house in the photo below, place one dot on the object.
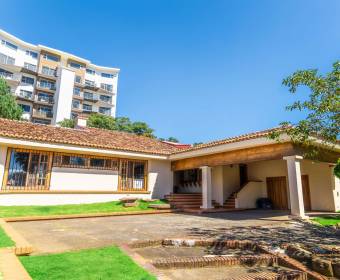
(45, 165)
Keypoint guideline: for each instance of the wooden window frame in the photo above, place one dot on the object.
(146, 172)
(5, 187)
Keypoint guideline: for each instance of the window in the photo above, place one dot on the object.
(133, 175)
(44, 97)
(26, 94)
(87, 107)
(5, 59)
(88, 95)
(6, 74)
(105, 98)
(84, 161)
(27, 80)
(105, 111)
(30, 66)
(77, 79)
(48, 71)
(90, 71)
(41, 121)
(32, 54)
(9, 45)
(51, 57)
(76, 91)
(106, 87)
(106, 75)
(75, 104)
(90, 83)
(25, 108)
(75, 65)
(27, 170)
(47, 84)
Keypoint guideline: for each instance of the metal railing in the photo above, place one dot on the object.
(23, 94)
(44, 99)
(42, 114)
(46, 86)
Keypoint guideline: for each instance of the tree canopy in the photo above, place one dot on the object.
(110, 123)
(9, 109)
(322, 107)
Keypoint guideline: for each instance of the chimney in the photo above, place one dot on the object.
(80, 122)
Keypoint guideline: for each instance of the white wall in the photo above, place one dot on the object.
(63, 95)
(231, 180)
(247, 196)
(3, 155)
(217, 184)
(160, 180)
(79, 179)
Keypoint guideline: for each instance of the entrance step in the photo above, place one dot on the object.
(186, 200)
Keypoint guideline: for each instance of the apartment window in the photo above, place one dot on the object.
(30, 66)
(9, 45)
(75, 104)
(76, 91)
(25, 108)
(6, 74)
(106, 75)
(51, 57)
(88, 95)
(83, 161)
(90, 83)
(45, 110)
(44, 97)
(74, 115)
(48, 71)
(106, 87)
(87, 107)
(26, 94)
(75, 65)
(77, 79)
(32, 54)
(90, 71)
(105, 111)
(46, 84)
(105, 98)
(5, 59)
(27, 80)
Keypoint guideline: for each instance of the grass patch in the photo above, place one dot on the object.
(105, 207)
(5, 240)
(328, 220)
(103, 263)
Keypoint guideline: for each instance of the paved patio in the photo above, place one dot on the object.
(269, 226)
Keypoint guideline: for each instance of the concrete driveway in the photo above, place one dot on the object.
(73, 234)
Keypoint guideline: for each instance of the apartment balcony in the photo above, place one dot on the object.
(24, 95)
(42, 114)
(90, 85)
(92, 98)
(44, 100)
(29, 69)
(48, 74)
(47, 88)
(78, 96)
(11, 79)
(90, 110)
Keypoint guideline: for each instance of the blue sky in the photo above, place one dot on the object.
(194, 69)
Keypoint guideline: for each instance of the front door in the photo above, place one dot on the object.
(277, 192)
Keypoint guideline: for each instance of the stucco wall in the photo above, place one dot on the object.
(217, 184)
(66, 179)
(231, 180)
(160, 181)
(247, 197)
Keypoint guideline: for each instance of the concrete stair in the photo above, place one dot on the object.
(230, 203)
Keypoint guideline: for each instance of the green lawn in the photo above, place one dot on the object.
(5, 241)
(328, 221)
(104, 263)
(113, 206)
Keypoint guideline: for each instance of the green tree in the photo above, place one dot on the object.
(67, 123)
(101, 121)
(9, 109)
(322, 107)
(337, 169)
(141, 128)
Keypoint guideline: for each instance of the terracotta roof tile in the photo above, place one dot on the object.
(87, 137)
(253, 135)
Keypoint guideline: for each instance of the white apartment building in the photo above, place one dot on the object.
(52, 85)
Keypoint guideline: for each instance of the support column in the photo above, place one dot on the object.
(206, 187)
(295, 187)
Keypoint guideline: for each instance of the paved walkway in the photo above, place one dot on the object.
(73, 234)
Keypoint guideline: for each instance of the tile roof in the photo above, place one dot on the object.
(248, 136)
(87, 137)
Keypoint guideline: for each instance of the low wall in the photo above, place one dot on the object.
(247, 196)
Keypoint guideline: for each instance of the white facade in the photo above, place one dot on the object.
(21, 62)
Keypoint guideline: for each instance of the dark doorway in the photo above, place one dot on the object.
(243, 174)
(277, 192)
